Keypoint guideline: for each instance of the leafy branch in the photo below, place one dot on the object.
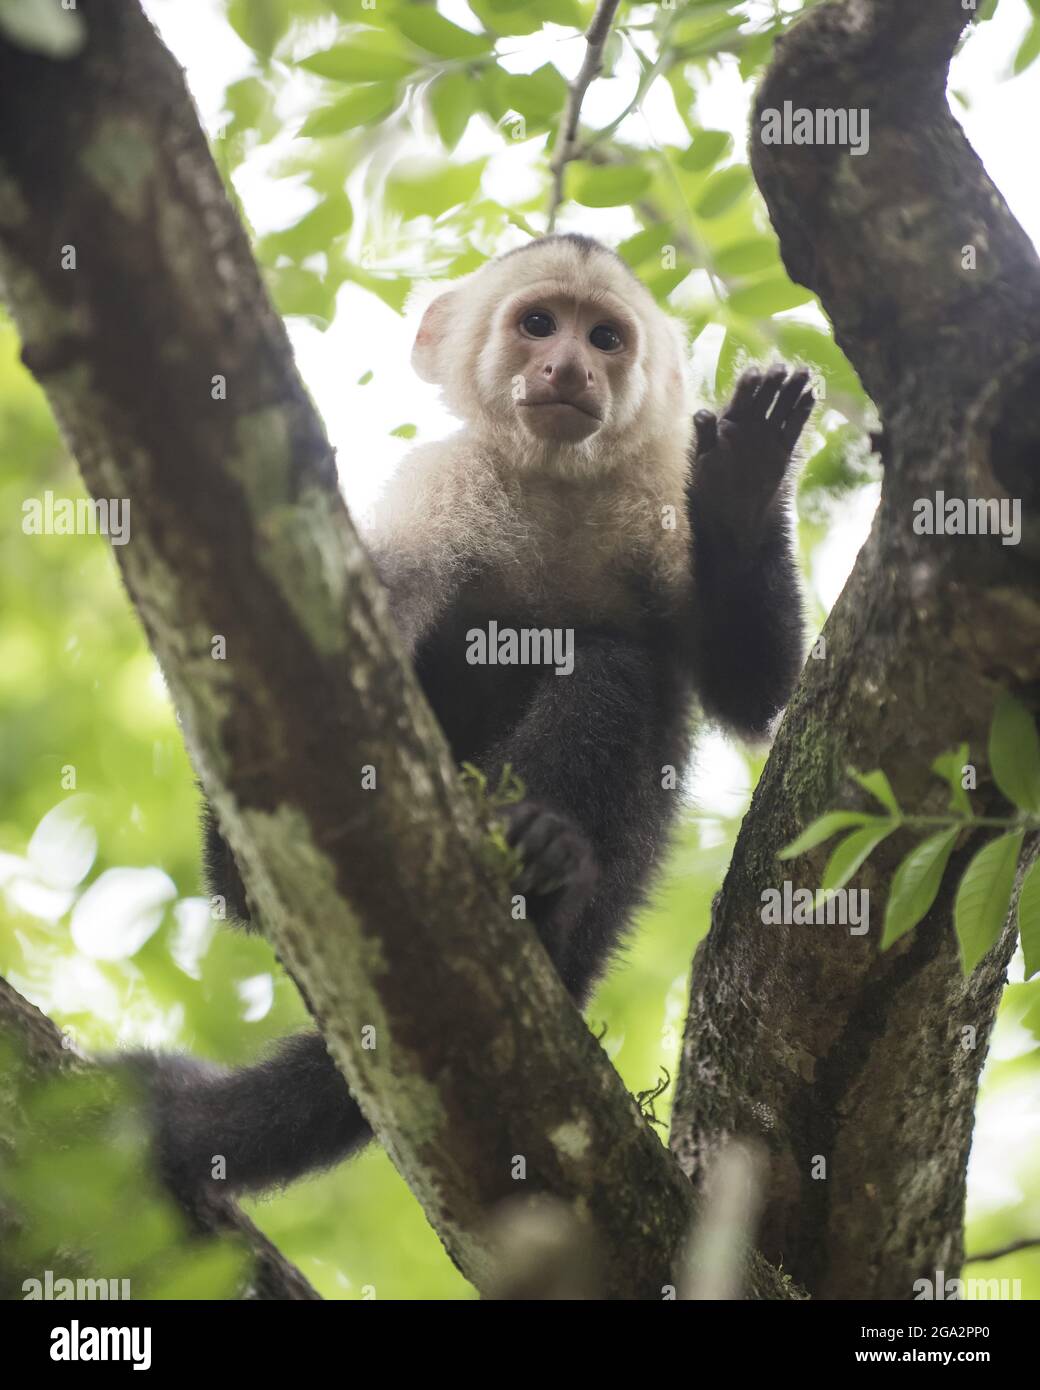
(987, 886)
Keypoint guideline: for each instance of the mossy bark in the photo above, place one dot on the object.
(807, 1037)
(376, 899)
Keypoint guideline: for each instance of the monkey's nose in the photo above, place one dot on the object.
(568, 373)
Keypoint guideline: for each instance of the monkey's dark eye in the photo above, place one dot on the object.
(538, 324)
(605, 338)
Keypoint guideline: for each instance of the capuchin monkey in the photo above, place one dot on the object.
(575, 497)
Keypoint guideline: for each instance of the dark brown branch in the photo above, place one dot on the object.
(373, 898)
(1031, 1243)
(806, 1037)
(592, 64)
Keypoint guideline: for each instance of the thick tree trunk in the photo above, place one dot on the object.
(373, 898)
(806, 1036)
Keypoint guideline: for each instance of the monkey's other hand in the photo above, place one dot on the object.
(555, 854)
(741, 458)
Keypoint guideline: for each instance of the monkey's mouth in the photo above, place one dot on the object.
(563, 405)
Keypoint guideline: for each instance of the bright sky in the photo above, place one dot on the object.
(1001, 122)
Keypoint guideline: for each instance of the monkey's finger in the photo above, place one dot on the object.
(744, 396)
(538, 836)
(797, 419)
(518, 818)
(707, 428)
(767, 392)
(789, 396)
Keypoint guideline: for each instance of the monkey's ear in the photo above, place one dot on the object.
(431, 338)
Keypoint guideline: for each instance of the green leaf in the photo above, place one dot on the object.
(369, 56)
(453, 100)
(637, 249)
(984, 896)
(606, 185)
(365, 378)
(754, 52)
(391, 289)
(538, 96)
(707, 30)
(915, 885)
(1014, 753)
(364, 105)
(723, 190)
(823, 828)
(490, 88)
(1029, 919)
(405, 432)
(802, 341)
(42, 26)
(259, 23)
(706, 149)
(332, 217)
(852, 853)
(740, 343)
(768, 297)
(833, 467)
(949, 766)
(506, 19)
(662, 282)
(568, 12)
(1028, 49)
(249, 102)
(429, 30)
(417, 186)
(747, 257)
(296, 290)
(878, 785)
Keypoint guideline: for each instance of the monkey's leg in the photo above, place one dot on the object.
(589, 750)
(748, 619)
(252, 1127)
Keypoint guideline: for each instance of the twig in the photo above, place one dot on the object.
(595, 38)
(1029, 1243)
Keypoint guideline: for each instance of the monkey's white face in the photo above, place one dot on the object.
(563, 360)
(556, 356)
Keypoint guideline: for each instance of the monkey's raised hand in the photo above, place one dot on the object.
(740, 460)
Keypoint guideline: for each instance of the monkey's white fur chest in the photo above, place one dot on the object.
(561, 544)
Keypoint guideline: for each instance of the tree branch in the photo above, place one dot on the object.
(804, 1036)
(567, 140)
(373, 898)
(1031, 1243)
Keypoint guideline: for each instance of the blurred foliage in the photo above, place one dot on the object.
(89, 1125)
(398, 119)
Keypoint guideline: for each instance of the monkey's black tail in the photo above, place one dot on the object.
(253, 1127)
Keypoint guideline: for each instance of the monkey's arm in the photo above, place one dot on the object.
(748, 616)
